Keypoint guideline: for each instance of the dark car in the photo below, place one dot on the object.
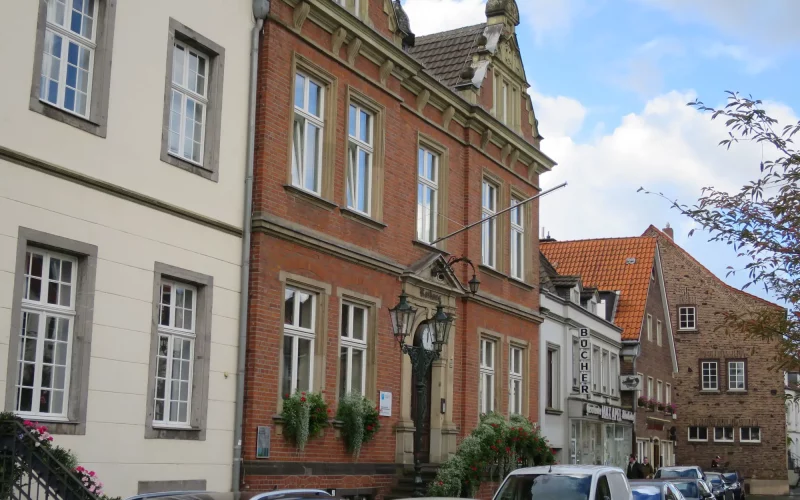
(735, 483)
(647, 489)
(692, 489)
(719, 487)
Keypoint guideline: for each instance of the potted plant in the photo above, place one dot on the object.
(359, 421)
(304, 416)
(651, 405)
(670, 409)
(660, 406)
(642, 401)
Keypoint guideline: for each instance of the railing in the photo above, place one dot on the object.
(31, 472)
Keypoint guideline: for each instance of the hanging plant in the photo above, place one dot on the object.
(359, 418)
(304, 416)
(642, 401)
(670, 409)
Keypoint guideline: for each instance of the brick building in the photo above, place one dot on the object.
(627, 275)
(729, 396)
(355, 117)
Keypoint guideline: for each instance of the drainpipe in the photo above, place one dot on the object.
(260, 12)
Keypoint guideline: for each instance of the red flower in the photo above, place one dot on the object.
(286, 396)
(474, 468)
(302, 400)
(302, 393)
(91, 473)
(508, 449)
(329, 411)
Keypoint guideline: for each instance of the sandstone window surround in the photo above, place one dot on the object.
(180, 351)
(687, 318)
(709, 375)
(364, 159)
(698, 433)
(433, 172)
(522, 228)
(192, 119)
(507, 100)
(487, 391)
(489, 203)
(516, 392)
(72, 63)
(312, 133)
(358, 333)
(51, 330)
(359, 8)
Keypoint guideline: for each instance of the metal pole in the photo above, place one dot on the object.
(419, 490)
(512, 207)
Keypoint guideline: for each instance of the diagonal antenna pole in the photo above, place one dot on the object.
(512, 207)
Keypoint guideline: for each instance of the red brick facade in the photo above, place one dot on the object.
(314, 244)
(760, 404)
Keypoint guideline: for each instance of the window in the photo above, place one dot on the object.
(650, 388)
(359, 159)
(602, 490)
(639, 392)
(179, 354)
(575, 295)
(614, 380)
(576, 362)
(668, 394)
(736, 376)
(489, 228)
(46, 334)
(517, 241)
(176, 336)
(659, 388)
(606, 372)
(298, 340)
(72, 62)
(723, 434)
(503, 98)
(750, 434)
(698, 433)
(427, 194)
(353, 350)
(553, 393)
(596, 368)
(516, 392)
(709, 376)
(307, 133)
(658, 332)
(353, 6)
(687, 318)
(487, 363)
(649, 328)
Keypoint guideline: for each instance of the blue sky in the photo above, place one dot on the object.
(610, 80)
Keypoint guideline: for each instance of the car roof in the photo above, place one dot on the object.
(589, 470)
(680, 467)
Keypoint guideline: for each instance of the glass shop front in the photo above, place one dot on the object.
(599, 434)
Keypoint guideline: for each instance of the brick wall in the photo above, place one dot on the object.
(688, 282)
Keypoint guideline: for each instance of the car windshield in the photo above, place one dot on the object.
(645, 492)
(546, 487)
(687, 489)
(731, 477)
(691, 473)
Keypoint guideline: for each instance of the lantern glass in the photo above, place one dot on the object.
(402, 315)
(474, 284)
(441, 323)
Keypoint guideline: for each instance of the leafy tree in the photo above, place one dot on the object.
(761, 221)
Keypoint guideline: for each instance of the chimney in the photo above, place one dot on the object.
(669, 232)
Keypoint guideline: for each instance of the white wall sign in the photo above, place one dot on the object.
(630, 383)
(386, 404)
(585, 356)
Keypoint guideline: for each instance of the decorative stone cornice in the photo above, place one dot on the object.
(300, 14)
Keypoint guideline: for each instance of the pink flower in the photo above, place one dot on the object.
(79, 468)
(49, 438)
(27, 423)
(91, 473)
(91, 489)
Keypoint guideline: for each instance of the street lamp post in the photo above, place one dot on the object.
(422, 357)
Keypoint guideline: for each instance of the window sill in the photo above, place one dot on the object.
(521, 284)
(362, 218)
(553, 411)
(311, 197)
(67, 117)
(191, 167)
(428, 246)
(163, 427)
(710, 391)
(492, 272)
(737, 391)
(687, 330)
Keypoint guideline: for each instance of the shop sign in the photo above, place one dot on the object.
(593, 409)
(611, 413)
(585, 356)
(628, 416)
(630, 383)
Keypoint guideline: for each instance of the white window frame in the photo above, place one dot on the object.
(687, 318)
(659, 332)
(723, 439)
(517, 239)
(659, 390)
(427, 179)
(295, 332)
(732, 378)
(174, 334)
(304, 118)
(749, 439)
(596, 369)
(576, 360)
(605, 371)
(353, 6)
(44, 309)
(68, 36)
(649, 327)
(649, 388)
(697, 437)
(708, 365)
(347, 340)
(186, 95)
(488, 362)
(515, 378)
(356, 145)
(614, 381)
(489, 228)
(668, 394)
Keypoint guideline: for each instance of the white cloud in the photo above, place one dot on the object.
(752, 64)
(558, 116)
(433, 16)
(642, 72)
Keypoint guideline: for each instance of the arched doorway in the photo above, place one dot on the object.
(422, 337)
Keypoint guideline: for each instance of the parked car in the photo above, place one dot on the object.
(565, 482)
(735, 483)
(690, 488)
(719, 487)
(648, 489)
(298, 494)
(690, 471)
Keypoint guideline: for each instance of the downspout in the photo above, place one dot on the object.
(260, 12)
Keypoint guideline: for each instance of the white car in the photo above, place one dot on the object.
(565, 482)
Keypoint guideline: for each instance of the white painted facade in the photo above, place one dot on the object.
(597, 442)
(792, 393)
(105, 196)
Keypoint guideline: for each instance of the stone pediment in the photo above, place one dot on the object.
(508, 53)
(433, 273)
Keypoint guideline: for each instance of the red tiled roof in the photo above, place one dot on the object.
(611, 264)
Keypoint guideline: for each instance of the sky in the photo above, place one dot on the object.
(610, 82)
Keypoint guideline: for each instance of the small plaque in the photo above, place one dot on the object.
(263, 442)
(386, 404)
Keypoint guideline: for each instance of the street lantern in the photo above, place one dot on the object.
(403, 315)
(440, 323)
(474, 283)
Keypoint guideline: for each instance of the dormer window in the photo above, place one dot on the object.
(575, 296)
(506, 100)
(601, 309)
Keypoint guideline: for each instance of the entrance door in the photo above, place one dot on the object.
(656, 455)
(424, 453)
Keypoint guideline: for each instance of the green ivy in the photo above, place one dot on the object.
(493, 449)
(304, 416)
(359, 417)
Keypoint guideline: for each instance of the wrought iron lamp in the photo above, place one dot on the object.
(474, 283)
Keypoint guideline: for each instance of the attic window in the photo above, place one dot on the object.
(630, 260)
